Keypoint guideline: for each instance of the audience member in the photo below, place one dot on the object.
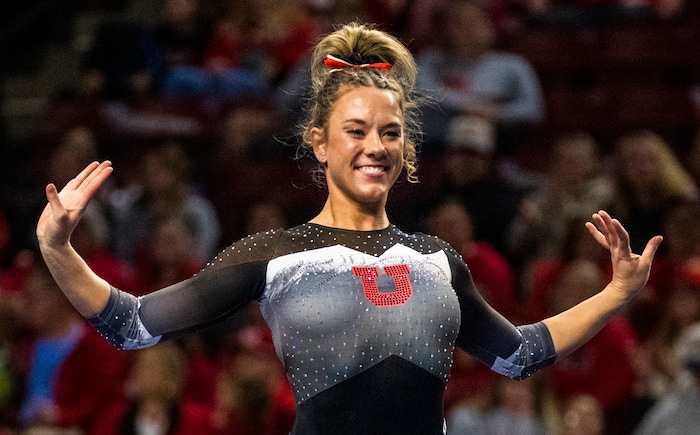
(283, 33)
(648, 180)
(64, 353)
(168, 255)
(468, 173)
(540, 278)
(152, 401)
(495, 280)
(654, 361)
(77, 147)
(574, 185)
(253, 394)
(427, 19)
(491, 272)
(582, 415)
(510, 407)
(163, 187)
(227, 69)
(674, 266)
(115, 65)
(249, 156)
(179, 41)
(264, 215)
(677, 413)
(92, 240)
(294, 88)
(469, 75)
(601, 368)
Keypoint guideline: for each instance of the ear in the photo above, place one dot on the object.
(318, 142)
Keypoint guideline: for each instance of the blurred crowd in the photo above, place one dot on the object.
(198, 108)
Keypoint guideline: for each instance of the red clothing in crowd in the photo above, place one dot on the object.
(494, 278)
(600, 368)
(86, 380)
(544, 276)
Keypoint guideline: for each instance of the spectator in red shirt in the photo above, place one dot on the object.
(64, 353)
(491, 271)
(601, 368)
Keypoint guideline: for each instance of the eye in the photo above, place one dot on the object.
(393, 134)
(356, 132)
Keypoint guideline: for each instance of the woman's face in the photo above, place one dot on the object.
(640, 164)
(362, 146)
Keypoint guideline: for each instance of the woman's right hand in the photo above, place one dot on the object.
(65, 208)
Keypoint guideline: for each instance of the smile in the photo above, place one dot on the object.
(372, 169)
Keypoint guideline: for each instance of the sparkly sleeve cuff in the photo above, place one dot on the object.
(536, 351)
(120, 324)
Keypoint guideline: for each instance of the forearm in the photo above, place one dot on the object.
(84, 289)
(573, 327)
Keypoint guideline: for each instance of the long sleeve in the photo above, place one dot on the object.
(516, 352)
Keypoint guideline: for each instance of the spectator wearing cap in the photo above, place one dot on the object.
(468, 174)
(677, 413)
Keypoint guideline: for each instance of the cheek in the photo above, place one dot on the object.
(397, 151)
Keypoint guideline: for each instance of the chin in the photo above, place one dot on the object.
(375, 197)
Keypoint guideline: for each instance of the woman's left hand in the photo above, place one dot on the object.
(630, 270)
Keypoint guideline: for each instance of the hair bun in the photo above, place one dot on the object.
(363, 44)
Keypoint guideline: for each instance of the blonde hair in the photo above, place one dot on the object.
(361, 44)
(675, 180)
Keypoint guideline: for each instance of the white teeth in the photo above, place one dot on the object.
(372, 169)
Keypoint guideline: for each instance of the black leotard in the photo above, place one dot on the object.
(364, 322)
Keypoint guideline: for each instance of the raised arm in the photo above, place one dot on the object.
(85, 290)
(573, 327)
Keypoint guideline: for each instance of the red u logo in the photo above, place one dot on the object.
(399, 273)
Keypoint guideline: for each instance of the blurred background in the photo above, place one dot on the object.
(538, 113)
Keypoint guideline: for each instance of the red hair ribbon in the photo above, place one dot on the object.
(333, 62)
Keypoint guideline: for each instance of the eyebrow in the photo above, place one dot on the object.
(391, 124)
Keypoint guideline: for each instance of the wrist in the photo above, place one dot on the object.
(50, 247)
(620, 291)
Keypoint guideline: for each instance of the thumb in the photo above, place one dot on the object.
(651, 248)
(54, 200)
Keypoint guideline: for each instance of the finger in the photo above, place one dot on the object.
(622, 237)
(95, 177)
(615, 233)
(600, 222)
(85, 173)
(53, 198)
(651, 247)
(597, 235)
(606, 220)
(604, 214)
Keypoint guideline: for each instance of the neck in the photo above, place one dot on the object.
(355, 219)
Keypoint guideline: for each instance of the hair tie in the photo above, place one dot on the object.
(333, 62)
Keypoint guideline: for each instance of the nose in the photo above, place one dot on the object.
(375, 146)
